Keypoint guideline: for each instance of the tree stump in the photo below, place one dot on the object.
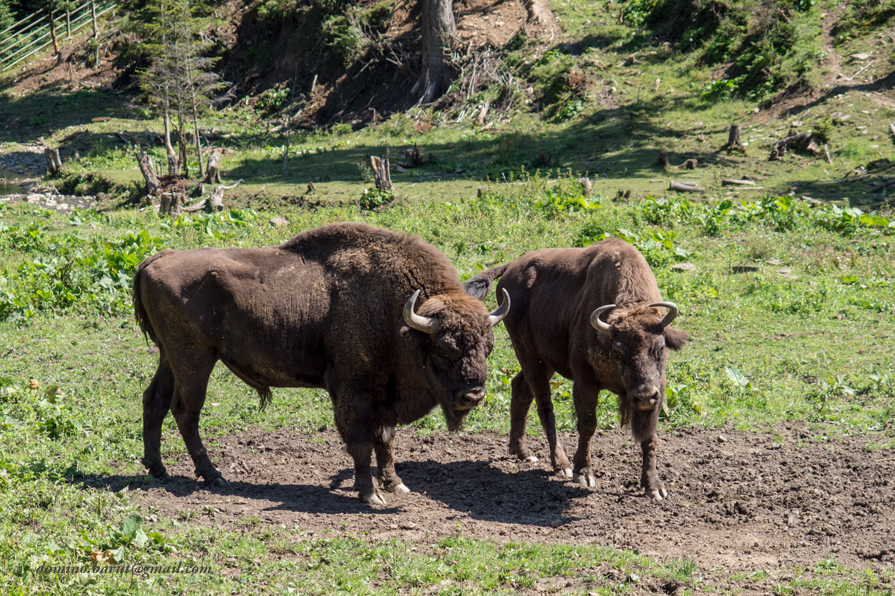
(690, 164)
(381, 172)
(663, 158)
(733, 139)
(213, 174)
(148, 171)
(170, 202)
(54, 162)
(586, 187)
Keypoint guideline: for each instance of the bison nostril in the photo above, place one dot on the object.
(470, 399)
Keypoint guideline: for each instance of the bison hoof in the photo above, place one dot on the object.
(398, 488)
(586, 480)
(372, 498)
(217, 482)
(531, 459)
(657, 494)
(566, 472)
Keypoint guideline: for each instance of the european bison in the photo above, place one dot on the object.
(377, 318)
(559, 296)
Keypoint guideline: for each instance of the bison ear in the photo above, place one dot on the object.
(477, 287)
(675, 338)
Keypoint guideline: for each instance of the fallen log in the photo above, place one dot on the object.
(735, 182)
(681, 187)
(780, 146)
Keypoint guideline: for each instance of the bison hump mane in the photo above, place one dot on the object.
(358, 248)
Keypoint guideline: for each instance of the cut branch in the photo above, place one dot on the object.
(734, 182)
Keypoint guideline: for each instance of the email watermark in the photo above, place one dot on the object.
(138, 569)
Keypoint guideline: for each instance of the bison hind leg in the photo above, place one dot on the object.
(156, 403)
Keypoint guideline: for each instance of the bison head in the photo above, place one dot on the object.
(640, 338)
(455, 339)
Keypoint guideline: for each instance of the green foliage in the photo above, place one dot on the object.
(272, 101)
(717, 90)
(373, 198)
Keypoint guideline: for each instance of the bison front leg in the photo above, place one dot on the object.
(384, 444)
(586, 399)
(354, 419)
(156, 403)
(644, 425)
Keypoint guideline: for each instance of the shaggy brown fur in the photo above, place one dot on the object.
(322, 310)
(554, 293)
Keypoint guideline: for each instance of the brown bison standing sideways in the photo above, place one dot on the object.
(335, 307)
(559, 296)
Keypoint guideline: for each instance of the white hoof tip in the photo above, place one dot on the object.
(531, 459)
(399, 489)
(585, 480)
(655, 495)
(566, 473)
(372, 499)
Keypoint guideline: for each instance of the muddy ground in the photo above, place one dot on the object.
(738, 500)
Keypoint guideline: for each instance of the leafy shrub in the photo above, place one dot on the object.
(375, 198)
(273, 100)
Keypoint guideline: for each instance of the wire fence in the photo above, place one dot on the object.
(43, 28)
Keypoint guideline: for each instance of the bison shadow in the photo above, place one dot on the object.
(480, 490)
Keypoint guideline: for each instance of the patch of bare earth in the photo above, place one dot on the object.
(741, 500)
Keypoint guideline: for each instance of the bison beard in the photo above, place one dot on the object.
(559, 298)
(378, 319)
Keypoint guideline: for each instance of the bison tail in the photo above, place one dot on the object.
(139, 309)
(265, 395)
(480, 285)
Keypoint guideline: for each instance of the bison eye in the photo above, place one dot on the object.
(619, 348)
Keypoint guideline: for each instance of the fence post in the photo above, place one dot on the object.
(68, 23)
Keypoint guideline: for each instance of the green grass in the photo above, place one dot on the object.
(766, 348)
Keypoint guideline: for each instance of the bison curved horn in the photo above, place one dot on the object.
(498, 315)
(670, 315)
(597, 323)
(419, 322)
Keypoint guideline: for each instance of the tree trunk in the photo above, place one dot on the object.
(213, 174)
(438, 30)
(56, 50)
(173, 164)
(145, 163)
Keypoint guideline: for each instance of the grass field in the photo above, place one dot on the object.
(789, 308)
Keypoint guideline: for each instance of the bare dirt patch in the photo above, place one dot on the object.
(741, 500)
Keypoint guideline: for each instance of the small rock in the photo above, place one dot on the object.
(784, 271)
(279, 222)
(722, 439)
(860, 56)
(774, 262)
